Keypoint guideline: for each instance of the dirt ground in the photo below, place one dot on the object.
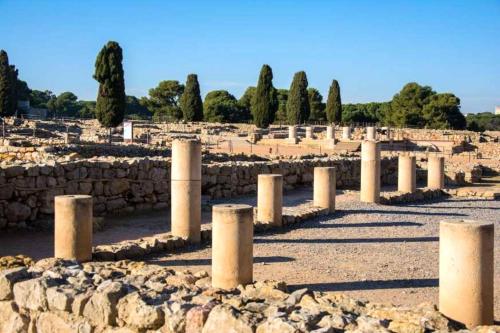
(374, 252)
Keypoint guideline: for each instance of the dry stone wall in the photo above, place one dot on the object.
(122, 185)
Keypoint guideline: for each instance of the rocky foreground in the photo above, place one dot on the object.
(124, 296)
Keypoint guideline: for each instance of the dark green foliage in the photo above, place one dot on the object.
(65, 105)
(265, 101)
(22, 90)
(483, 121)
(8, 99)
(407, 105)
(443, 111)
(316, 104)
(164, 100)
(86, 109)
(135, 110)
(246, 99)
(39, 99)
(221, 106)
(190, 102)
(334, 104)
(110, 106)
(282, 95)
(364, 112)
(297, 106)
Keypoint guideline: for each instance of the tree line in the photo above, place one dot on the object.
(263, 104)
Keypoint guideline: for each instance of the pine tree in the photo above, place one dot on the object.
(190, 101)
(334, 104)
(265, 101)
(8, 79)
(110, 106)
(297, 106)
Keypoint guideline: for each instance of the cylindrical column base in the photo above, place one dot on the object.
(73, 227)
(407, 178)
(435, 172)
(466, 271)
(324, 188)
(186, 190)
(309, 132)
(232, 245)
(330, 132)
(371, 133)
(370, 171)
(346, 133)
(270, 199)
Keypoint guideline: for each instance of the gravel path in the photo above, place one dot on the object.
(374, 252)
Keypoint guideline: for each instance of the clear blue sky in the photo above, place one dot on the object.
(371, 47)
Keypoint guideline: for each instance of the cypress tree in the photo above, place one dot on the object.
(265, 101)
(334, 104)
(7, 86)
(110, 106)
(190, 101)
(297, 106)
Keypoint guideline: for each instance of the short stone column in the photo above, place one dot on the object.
(186, 189)
(292, 134)
(324, 188)
(346, 133)
(270, 199)
(330, 132)
(309, 132)
(73, 227)
(371, 133)
(435, 172)
(370, 171)
(407, 178)
(232, 245)
(466, 271)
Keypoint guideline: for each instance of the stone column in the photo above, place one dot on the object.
(407, 178)
(292, 134)
(324, 188)
(466, 271)
(73, 227)
(309, 132)
(435, 172)
(270, 199)
(371, 133)
(186, 189)
(370, 171)
(232, 245)
(346, 133)
(330, 132)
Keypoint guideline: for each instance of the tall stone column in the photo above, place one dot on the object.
(309, 132)
(407, 178)
(370, 171)
(371, 133)
(330, 132)
(270, 199)
(346, 133)
(435, 172)
(292, 134)
(73, 227)
(324, 188)
(232, 245)
(186, 189)
(466, 271)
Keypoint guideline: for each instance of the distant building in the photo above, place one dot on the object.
(24, 108)
(497, 110)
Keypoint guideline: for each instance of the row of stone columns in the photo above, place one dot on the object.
(466, 247)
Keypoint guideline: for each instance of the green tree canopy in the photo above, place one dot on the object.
(65, 105)
(282, 96)
(164, 100)
(8, 79)
(483, 121)
(110, 106)
(297, 106)
(134, 109)
(246, 99)
(39, 99)
(407, 105)
(221, 106)
(316, 104)
(265, 102)
(443, 111)
(190, 102)
(334, 103)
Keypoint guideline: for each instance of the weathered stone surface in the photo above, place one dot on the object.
(134, 311)
(276, 325)
(30, 294)
(49, 322)
(225, 318)
(101, 307)
(17, 212)
(7, 279)
(10, 319)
